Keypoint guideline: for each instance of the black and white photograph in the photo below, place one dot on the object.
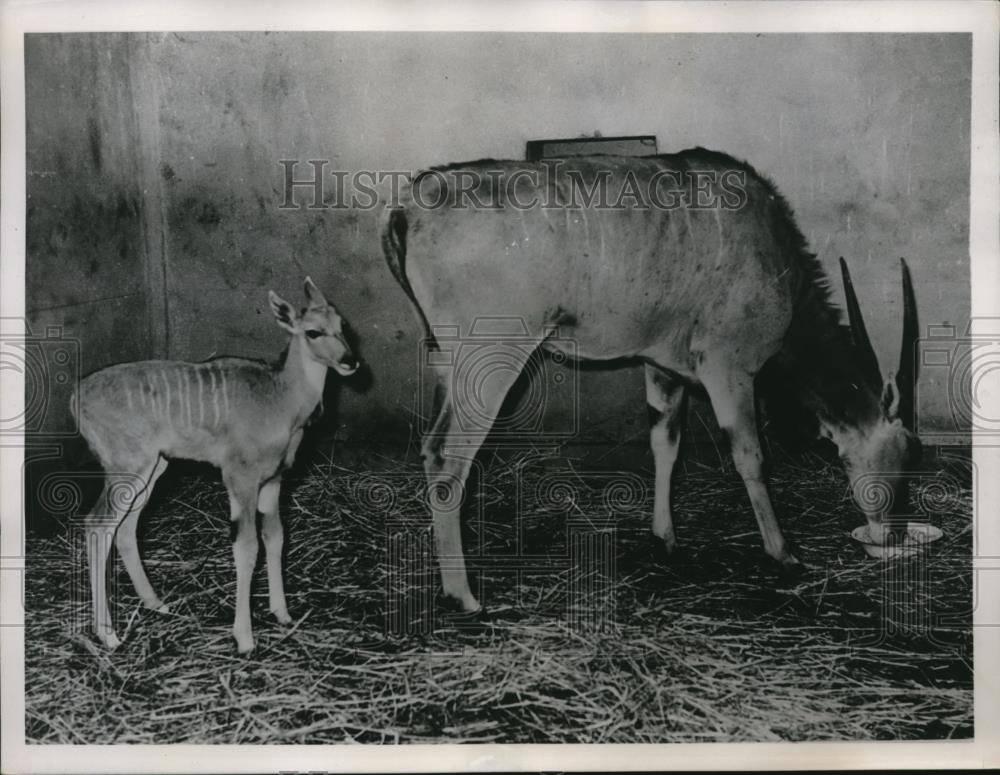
(500, 382)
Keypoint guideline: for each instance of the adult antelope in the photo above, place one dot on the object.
(697, 268)
(244, 416)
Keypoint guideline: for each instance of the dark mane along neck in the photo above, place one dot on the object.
(817, 369)
(819, 366)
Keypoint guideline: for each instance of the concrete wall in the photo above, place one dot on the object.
(86, 257)
(154, 176)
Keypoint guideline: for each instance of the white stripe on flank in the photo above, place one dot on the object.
(672, 229)
(128, 395)
(722, 244)
(154, 409)
(184, 397)
(225, 393)
(183, 410)
(166, 381)
(215, 397)
(600, 233)
(201, 400)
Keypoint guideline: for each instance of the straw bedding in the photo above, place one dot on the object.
(591, 637)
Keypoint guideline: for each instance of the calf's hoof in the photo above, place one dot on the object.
(109, 639)
(244, 642)
(282, 616)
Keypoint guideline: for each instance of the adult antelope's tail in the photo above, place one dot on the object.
(76, 410)
(394, 249)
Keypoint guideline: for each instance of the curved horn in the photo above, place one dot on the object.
(863, 345)
(906, 377)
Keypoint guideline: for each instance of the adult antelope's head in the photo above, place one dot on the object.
(321, 327)
(880, 452)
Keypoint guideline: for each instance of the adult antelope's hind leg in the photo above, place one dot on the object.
(732, 395)
(274, 536)
(125, 539)
(464, 418)
(243, 493)
(665, 397)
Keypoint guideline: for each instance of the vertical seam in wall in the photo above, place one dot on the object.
(145, 87)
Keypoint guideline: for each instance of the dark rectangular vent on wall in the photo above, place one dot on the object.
(630, 145)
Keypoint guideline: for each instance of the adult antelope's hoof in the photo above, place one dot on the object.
(454, 613)
(479, 615)
(665, 552)
(790, 570)
(160, 607)
(471, 622)
(458, 606)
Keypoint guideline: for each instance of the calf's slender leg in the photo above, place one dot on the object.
(243, 494)
(273, 534)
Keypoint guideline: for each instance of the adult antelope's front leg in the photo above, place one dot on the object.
(731, 393)
(665, 397)
(274, 535)
(243, 493)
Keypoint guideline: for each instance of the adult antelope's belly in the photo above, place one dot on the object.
(625, 332)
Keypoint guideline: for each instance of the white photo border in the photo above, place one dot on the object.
(980, 18)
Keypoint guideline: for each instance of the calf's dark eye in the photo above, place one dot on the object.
(314, 334)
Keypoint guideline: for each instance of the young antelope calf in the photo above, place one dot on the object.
(244, 416)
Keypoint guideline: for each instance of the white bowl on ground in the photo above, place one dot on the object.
(918, 536)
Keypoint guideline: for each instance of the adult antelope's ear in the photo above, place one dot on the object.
(890, 397)
(314, 295)
(283, 313)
